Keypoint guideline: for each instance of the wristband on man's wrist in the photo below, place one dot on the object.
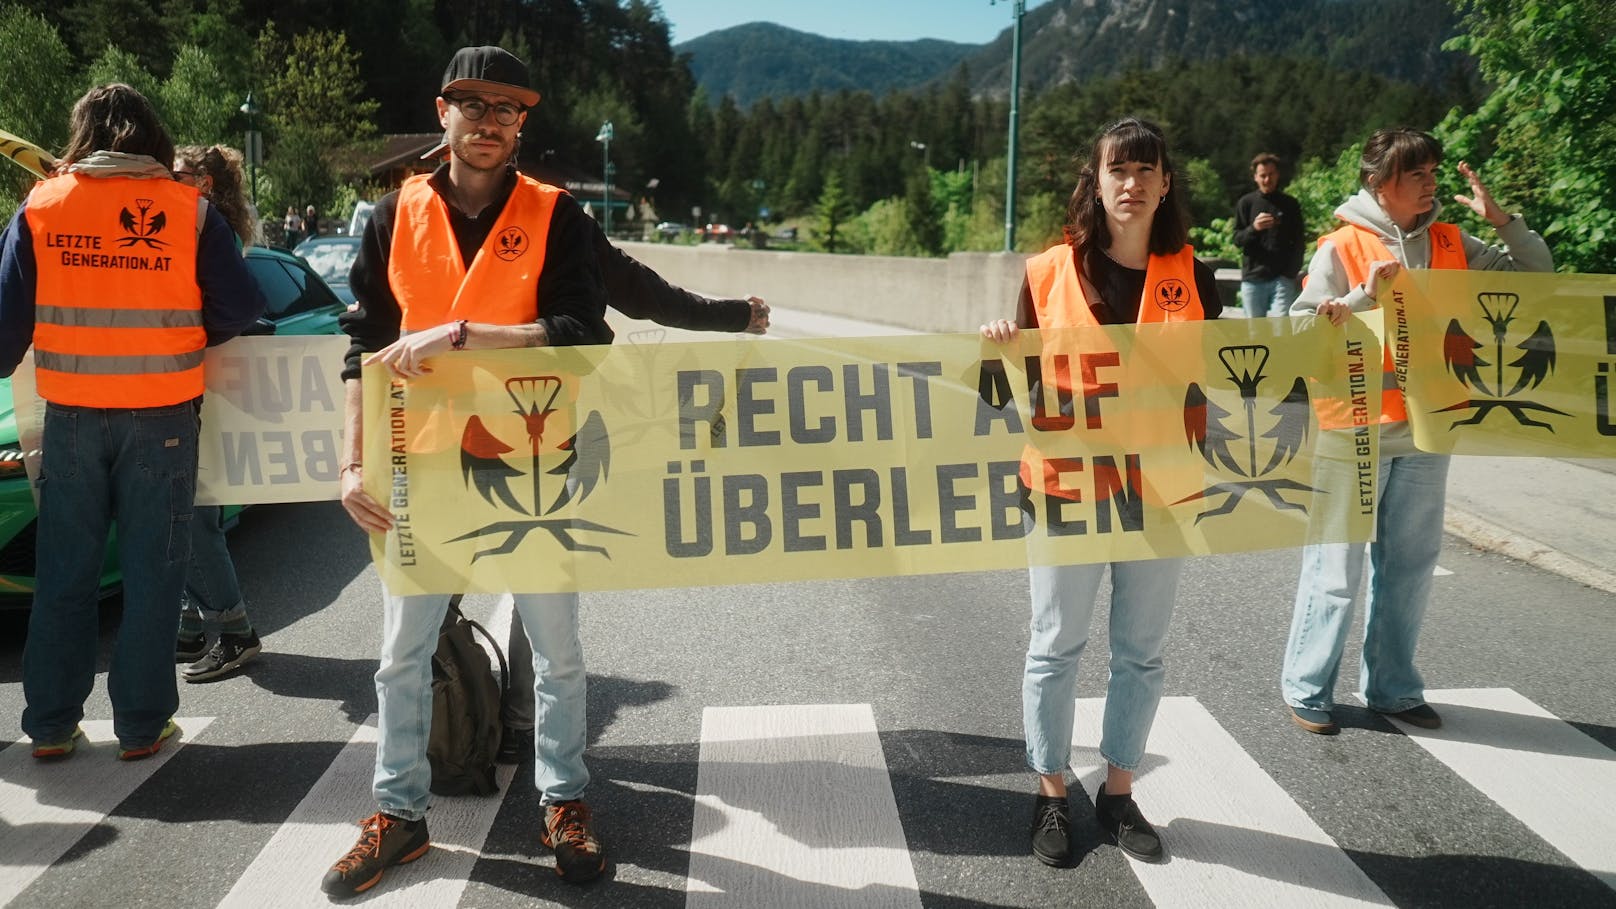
(351, 465)
(457, 335)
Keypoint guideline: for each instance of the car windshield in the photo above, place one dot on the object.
(331, 261)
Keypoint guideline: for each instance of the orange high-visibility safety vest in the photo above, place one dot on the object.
(117, 310)
(501, 287)
(1357, 248)
(1058, 300)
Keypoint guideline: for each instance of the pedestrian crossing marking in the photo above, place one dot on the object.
(794, 808)
(46, 807)
(323, 827)
(1233, 836)
(1545, 772)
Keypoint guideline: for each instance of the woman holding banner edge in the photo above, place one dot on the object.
(1396, 209)
(1126, 233)
(212, 591)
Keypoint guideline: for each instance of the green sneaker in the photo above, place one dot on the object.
(56, 751)
(145, 751)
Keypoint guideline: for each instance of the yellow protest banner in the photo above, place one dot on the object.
(1505, 363)
(750, 461)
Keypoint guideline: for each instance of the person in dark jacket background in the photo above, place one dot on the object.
(1268, 230)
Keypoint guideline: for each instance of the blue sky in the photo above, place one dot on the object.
(968, 21)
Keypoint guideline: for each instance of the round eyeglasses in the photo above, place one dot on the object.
(475, 109)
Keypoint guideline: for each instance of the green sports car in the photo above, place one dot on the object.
(300, 303)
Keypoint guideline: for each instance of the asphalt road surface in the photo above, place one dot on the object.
(858, 743)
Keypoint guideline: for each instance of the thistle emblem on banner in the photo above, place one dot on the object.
(1462, 354)
(1207, 428)
(492, 468)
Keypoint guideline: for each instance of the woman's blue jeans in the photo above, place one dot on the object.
(1063, 598)
(138, 468)
(1408, 540)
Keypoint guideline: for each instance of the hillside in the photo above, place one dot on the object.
(761, 59)
(1070, 40)
(1067, 41)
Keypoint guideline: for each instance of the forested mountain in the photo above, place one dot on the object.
(1068, 41)
(761, 59)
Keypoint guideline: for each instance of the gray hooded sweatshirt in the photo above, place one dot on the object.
(1522, 250)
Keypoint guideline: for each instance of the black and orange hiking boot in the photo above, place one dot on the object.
(385, 841)
(568, 830)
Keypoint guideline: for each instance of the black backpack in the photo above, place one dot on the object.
(465, 708)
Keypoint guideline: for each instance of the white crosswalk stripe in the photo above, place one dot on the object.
(46, 807)
(794, 808)
(322, 829)
(1544, 771)
(1233, 836)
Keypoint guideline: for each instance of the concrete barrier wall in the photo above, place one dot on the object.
(954, 294)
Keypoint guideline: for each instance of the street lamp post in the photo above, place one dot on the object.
(1019, 10)
(255, 145)
(604, 137)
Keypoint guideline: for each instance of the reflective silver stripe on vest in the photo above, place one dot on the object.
(116, 365)
(107, 317)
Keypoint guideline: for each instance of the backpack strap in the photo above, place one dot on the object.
(455, 615)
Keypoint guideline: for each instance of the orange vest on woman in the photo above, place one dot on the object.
(501, 287)
(1059, 302)
(1357, 248)
(117, 310)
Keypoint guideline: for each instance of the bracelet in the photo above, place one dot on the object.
(351, 465)
(457, 336)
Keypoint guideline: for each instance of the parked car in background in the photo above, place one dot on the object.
(300, 303)
(331, 258)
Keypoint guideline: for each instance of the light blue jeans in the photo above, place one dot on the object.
(137, 468)
(1063, 598)
(1408, 540)
(403, 780)
(1268, 298)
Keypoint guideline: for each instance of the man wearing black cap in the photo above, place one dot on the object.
(532, 281)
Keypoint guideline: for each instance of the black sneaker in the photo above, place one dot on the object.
(229, 653)
(569, 831)
(385, 842)
(1052, 830)
(1120, 816)
(514, 745)
(1422, 716)
(189, 649)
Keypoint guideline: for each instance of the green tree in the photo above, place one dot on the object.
(1545, 139)
(38, 72)
(315, 103)
(118, 65)
(194, 108)
(920, 212)
(831, 212)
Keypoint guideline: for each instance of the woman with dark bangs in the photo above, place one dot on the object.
(1126, 232)
(1391, 223)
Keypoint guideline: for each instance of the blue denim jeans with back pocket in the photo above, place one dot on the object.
(138, 468)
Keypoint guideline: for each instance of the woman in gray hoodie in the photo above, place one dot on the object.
(1391, 223)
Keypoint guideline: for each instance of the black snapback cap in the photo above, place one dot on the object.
(489, 69)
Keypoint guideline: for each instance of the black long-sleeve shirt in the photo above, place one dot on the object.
(638, 292)
(571, 292)
(1277, 251)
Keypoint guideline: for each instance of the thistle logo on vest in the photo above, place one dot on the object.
(1285, 428)
(494, 469)
(142, 227)
(1462, 355)
(1171, 294)
(511, 243)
